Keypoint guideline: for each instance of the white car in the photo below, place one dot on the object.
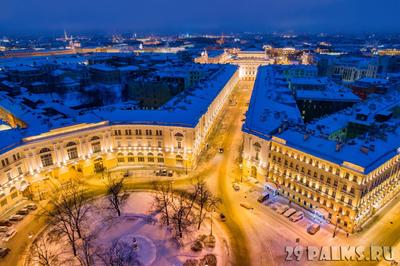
(297, 216)
(281, 208)
(289, 212)
(8, 235)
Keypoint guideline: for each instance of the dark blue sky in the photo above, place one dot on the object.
(26, 16)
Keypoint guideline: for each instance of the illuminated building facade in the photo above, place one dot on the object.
(343, 179)
(122, 139)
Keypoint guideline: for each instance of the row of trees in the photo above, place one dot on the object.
(67, 214)
(182, 210)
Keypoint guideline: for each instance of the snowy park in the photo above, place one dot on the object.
(139, 236)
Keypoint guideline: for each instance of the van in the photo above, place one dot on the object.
(313, 229)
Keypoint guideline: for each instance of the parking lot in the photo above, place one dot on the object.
(10, 224)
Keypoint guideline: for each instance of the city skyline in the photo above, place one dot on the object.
(178, 16)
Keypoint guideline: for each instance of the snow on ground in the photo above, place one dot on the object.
(157, 245)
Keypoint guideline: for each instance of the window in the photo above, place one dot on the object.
(128, 132)
(150, 158)
(179, 145)
(19, 169)
(5, 162)
(159, 144)
(9, 177)
(160, 158)
(179, 160)
(131, 159)
(16, 156)
(148, 132)
(140, 157)
(120, 158)
(96, 145)
(159, 132)
(45, 157)
(72, 150)
(117, 132)
(138, 132)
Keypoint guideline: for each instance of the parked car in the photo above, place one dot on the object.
(263, 197)
(236, 187)
(4, 252)
(23, 211)
(221, 150)
(313, 229)
(31, 206)
(162, 172)
(5, 223)
(246, 205)
(16, 218)
(222, 217)
(8, 235)
(281, 208)
(297, 216)
(170, 173)
(4, 229)
(289, 212)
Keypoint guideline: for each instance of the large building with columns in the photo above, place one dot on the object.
(340, 167)
(44, 154)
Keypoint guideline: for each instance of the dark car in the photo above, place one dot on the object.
(4, 252)
(5, 223)
(221, 150)
(23, 211)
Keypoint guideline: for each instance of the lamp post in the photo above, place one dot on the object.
(336, 225)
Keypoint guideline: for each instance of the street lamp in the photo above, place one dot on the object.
(336, 225)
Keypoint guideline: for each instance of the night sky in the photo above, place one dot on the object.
(21, 16)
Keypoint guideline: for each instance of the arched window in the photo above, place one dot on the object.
(179, 160)
(131, 159)
(120, 158)
(46, 157)
(72, 150)
(150, 157)
(160, 158)
(140, 157)
(96, 145)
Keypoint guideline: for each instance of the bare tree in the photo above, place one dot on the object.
(43, 255)
(120, 253)
(163, 198)
(182, 217)
(67, 213)
(115, 197)
(203, 200)
(86, 250)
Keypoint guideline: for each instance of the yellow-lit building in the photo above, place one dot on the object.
(131, 139)
(342, 183)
